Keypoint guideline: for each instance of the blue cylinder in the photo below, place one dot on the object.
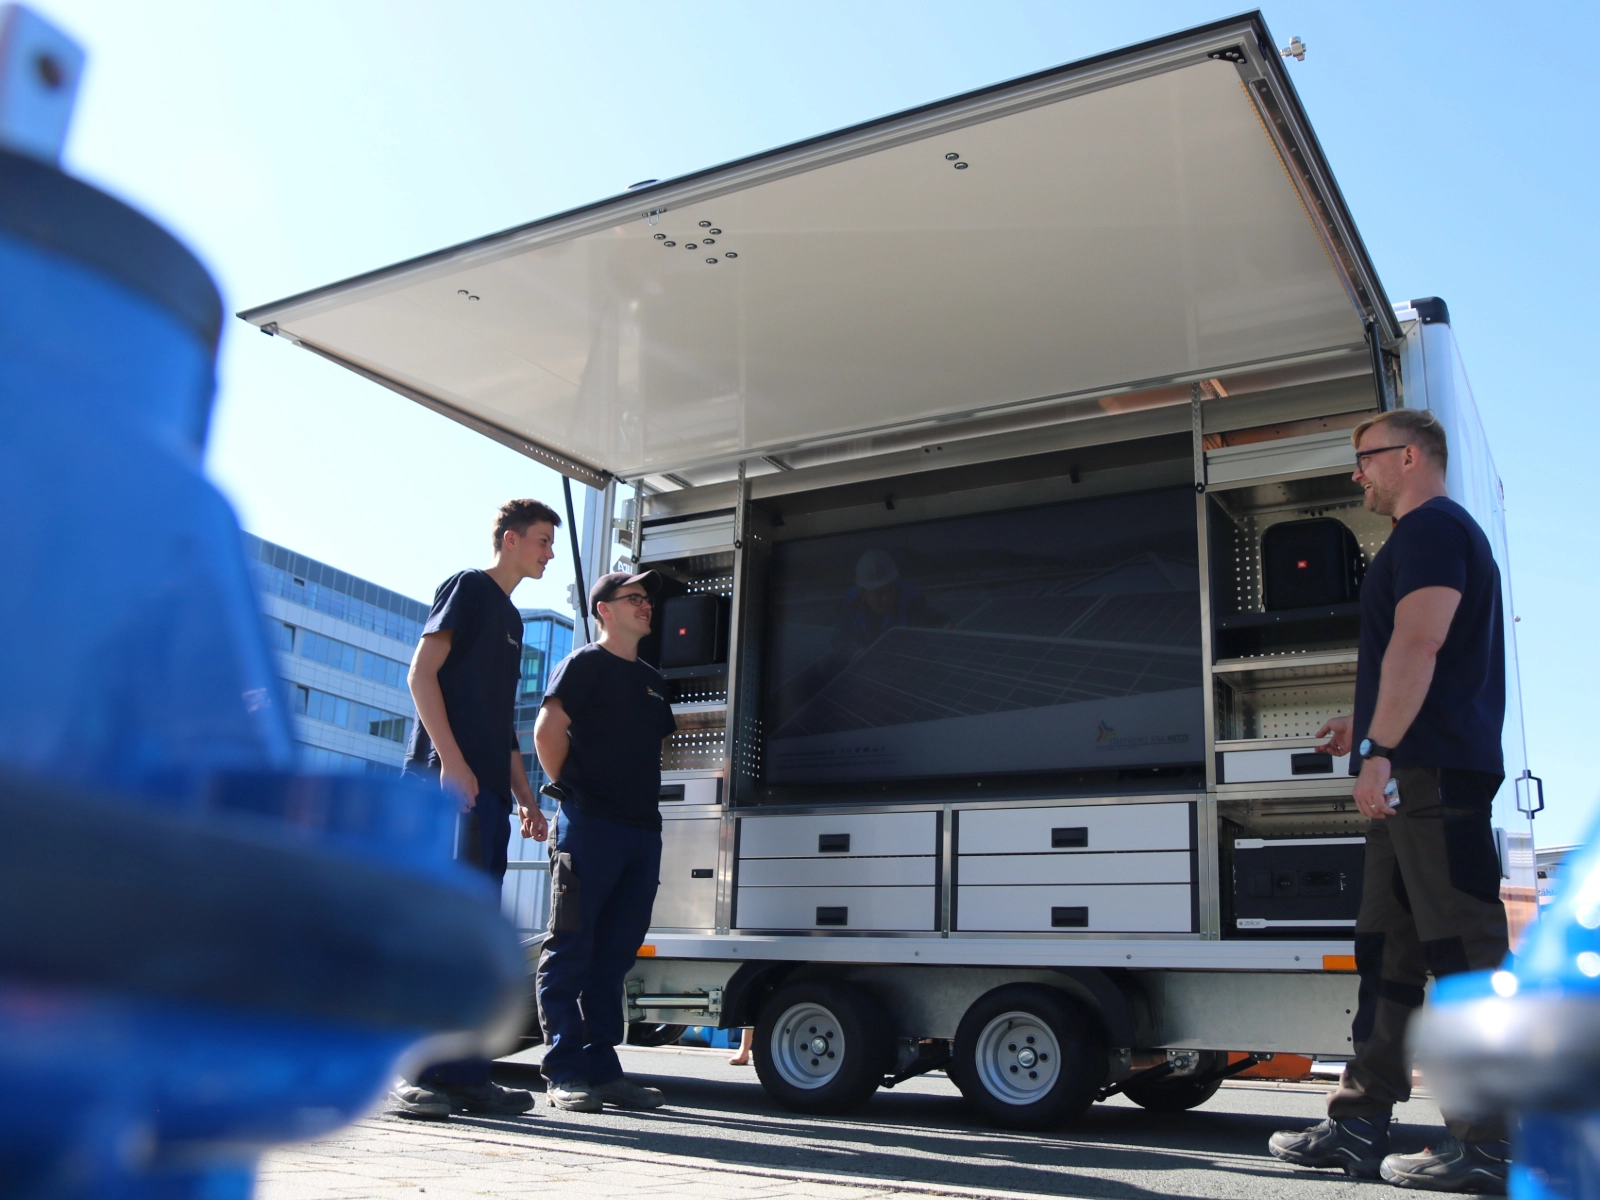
(203, 953)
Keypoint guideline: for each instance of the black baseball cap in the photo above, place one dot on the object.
(608, 586)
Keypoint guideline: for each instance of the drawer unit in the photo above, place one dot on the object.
(1135, 866)
(1255, 762)
(1107, 908)
(886, 909)
(1080, 828)
(838, 872)
(687, 897)
(844, 835)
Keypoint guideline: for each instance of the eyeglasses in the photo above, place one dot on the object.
(1363, 455)
(637, 599)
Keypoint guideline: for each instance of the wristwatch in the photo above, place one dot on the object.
(1371, 749)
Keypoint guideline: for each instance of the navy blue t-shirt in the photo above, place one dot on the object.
(1438, 544)
(479, 678)
(619, 713)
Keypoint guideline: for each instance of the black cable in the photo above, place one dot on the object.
(582, 597)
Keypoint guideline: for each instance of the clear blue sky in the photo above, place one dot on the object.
(295, 143)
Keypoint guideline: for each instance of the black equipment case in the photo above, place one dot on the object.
(694, 630)
(1297, 886)
(1305, 564)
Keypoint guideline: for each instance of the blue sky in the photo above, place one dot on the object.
(294, 143)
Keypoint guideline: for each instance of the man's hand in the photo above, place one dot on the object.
(1374, 777)
(533, 823)
(457, 778)
(1339, 744)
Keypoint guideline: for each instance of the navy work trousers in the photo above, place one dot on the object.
(482, 835)
(603, 883)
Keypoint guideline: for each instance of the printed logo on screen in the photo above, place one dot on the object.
(1107, 738)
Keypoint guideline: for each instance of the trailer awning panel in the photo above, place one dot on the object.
(1133, 222)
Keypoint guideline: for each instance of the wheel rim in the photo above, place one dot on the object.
(1018, 1058)
(807, 1046)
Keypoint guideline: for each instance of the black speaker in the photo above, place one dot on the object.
(694, 630)
(1311, 563)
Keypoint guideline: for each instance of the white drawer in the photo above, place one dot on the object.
(1110, 908)
(1081, 828)
(687, 897)
(886, 908)
(1161, 866)
(829, 871)
(1274, 765)
(860, 834)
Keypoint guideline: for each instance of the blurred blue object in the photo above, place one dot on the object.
(1526, 1040)
(705, 1035)
(203, 953)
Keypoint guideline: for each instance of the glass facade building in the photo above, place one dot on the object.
(546, 640)
(343, 647)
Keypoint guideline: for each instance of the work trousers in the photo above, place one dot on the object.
(603, 885)
(483, 833)
(1430, 905)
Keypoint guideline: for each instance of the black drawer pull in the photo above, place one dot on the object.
(672, 793)
(833, 843)
(1313, 762)
(833, 916)
(701, 873)
(1069, 917)
(1073, 837)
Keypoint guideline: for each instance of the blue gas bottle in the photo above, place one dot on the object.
(202, 952)
(1525, 1041)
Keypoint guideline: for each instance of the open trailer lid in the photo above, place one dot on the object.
(1156, 215)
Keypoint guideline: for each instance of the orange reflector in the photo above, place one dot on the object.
(649, 951)
(1338, 962)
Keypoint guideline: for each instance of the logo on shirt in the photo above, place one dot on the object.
(650, 691)
(513, 641)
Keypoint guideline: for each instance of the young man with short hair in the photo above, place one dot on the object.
(464, 679)
(1430, 701)
(599, 737)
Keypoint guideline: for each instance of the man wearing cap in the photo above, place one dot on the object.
(599, 738)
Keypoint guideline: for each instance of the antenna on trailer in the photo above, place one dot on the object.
(1296, 49)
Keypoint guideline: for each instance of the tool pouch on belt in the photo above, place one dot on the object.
(564, 912)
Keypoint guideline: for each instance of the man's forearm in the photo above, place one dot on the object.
(521, 791)
(1407, 673)
(429, 699)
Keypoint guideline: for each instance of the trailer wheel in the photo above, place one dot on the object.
(1028, 1057)
(1178, 1095)
(822, 1046)
(652, 1033)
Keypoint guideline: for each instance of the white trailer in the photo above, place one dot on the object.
(1132, 276)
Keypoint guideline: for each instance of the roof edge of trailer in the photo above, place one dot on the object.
(1288, 128)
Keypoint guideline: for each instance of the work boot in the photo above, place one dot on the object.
(487, 1098)
(624, 1093)
(420, 1103)
(1452, 1166)
(574, 1095)
(1355, 1146)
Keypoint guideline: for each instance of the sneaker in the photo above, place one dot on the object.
(487, 1098)
(419, 1103)
(1354, 1145)
(574, 1095)
(624, 1093)
(1452, 1166)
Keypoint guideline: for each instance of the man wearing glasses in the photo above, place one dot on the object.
(1430, 701)
(599, 738)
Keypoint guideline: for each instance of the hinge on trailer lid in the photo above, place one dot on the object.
(1232, 54)
(270, 328)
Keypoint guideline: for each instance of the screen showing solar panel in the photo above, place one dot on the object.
(1059, 638)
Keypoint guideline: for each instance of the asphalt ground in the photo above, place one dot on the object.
(920, 1137)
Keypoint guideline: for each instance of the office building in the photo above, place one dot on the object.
(546, 640)
(343, 646)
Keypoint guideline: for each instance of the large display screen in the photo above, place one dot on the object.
(1059, 638)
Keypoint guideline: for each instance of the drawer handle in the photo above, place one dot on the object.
(1073, 837)
(833, 843)
(1068, 917)
(701, 873)
(1311, 763)
(833, 916)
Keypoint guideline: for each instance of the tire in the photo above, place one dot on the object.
(1029, 1057)
(822, 1046)
(649, 1033)
(1179, 1095)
